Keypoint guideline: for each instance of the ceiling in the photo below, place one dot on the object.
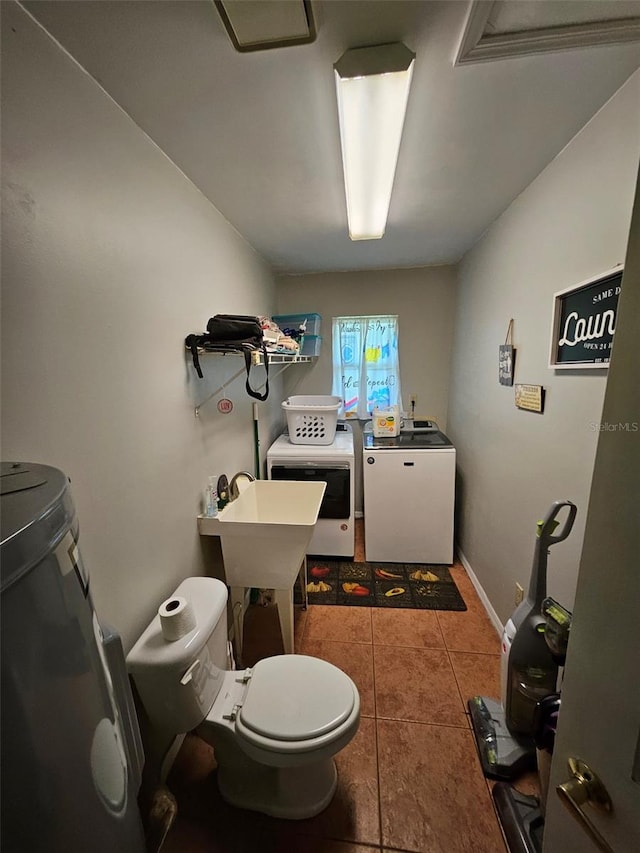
(258, 132)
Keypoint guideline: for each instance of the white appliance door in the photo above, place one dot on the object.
(408, 505)
(334, 533)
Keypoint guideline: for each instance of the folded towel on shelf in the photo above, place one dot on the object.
(286, 344)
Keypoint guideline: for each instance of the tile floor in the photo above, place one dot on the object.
(410, 780)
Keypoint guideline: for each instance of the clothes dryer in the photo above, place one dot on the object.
(334, 464)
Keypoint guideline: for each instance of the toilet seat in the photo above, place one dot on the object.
(287, 705)
(295, 698)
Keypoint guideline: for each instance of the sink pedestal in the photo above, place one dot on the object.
(283, 599)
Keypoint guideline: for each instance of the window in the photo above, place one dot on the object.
(366, 370)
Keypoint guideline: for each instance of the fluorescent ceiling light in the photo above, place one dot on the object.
(373, 88)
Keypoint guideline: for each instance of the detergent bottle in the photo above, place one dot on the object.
(386, 421)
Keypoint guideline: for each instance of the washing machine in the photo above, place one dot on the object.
(409, 496)
(333, 464)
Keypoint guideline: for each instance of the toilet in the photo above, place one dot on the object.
(274, 727)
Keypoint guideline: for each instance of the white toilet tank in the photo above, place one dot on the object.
(178, 680)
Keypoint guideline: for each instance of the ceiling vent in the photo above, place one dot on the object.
(267, 24)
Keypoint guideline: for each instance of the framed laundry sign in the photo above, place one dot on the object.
(584, 322)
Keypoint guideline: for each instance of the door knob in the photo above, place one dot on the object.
(585, 786)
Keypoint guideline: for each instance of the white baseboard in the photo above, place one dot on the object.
(482, 595)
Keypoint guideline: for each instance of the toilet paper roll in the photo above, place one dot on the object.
(177, 618)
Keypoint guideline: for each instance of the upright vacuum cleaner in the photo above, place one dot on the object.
(529, 668)
(522, 815)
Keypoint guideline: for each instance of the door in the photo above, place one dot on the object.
(336, 502)
(600, 716)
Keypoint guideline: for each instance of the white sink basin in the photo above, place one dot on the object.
(265, 532)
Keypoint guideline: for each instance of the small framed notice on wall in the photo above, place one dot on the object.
(584, 322)
(530, 398)
(506, 358)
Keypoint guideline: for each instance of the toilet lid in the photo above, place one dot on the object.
(296, 697)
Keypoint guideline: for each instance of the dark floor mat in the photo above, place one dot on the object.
(422, 587)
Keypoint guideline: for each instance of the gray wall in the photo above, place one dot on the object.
(110, 257)
(570, 224)
(423, 299)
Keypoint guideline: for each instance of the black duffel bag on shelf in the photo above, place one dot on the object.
(232, 333)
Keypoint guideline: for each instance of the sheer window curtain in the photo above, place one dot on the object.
(366, 368)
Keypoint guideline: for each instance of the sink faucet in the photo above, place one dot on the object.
(234, 491)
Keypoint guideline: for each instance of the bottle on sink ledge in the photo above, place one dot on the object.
(211, 499)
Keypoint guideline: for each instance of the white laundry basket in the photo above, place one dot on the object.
(312, 419)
